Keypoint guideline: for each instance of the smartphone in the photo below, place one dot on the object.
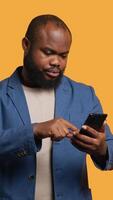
(95, 121)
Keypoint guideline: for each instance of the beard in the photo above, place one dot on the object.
(36, 78)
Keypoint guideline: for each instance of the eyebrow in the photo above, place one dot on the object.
(53, 51)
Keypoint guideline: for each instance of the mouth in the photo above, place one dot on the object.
(52, 73)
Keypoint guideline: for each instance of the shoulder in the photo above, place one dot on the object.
(12, 81)
(78, 87)
(3, 84)
(83, 94)
(80, 92)
(3, 90)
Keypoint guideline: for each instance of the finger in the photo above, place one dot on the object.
(70, 126)
(69, 129)
(66, 130)
(82, 149)
(74, 132)
(82, 146)
(59, 133)
(92, 131)
(102, 128)
(62, 132)
(85, 139)
(69, 135)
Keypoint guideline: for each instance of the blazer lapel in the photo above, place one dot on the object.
(17, 96)
(63, 99)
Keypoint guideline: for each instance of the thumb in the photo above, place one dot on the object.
(103, 127)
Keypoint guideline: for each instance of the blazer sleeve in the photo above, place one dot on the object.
(16, 140)
(97, 108)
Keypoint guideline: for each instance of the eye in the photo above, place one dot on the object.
(47, 52)
(64, 55)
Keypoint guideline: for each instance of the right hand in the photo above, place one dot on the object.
(56, 129)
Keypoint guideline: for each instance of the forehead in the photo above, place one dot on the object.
(53, 36)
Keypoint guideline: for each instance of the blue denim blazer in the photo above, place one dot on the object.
(73, 102)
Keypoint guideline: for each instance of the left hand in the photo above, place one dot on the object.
(95, 145)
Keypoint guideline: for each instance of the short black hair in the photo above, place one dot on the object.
(42, 20)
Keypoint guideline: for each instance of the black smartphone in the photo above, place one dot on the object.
(95, 121)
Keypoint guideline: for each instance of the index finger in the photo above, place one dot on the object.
(70, 125)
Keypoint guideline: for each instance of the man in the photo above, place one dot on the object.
(42, 152)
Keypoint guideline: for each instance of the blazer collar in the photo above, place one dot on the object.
(16, 93)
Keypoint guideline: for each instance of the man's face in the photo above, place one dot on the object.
(46, 59)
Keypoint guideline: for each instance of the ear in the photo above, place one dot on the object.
(26, 45)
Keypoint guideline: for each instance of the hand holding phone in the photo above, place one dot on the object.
(95, 121)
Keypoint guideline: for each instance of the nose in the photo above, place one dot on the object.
(55, 61)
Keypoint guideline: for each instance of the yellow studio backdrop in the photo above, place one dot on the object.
(90, 60)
